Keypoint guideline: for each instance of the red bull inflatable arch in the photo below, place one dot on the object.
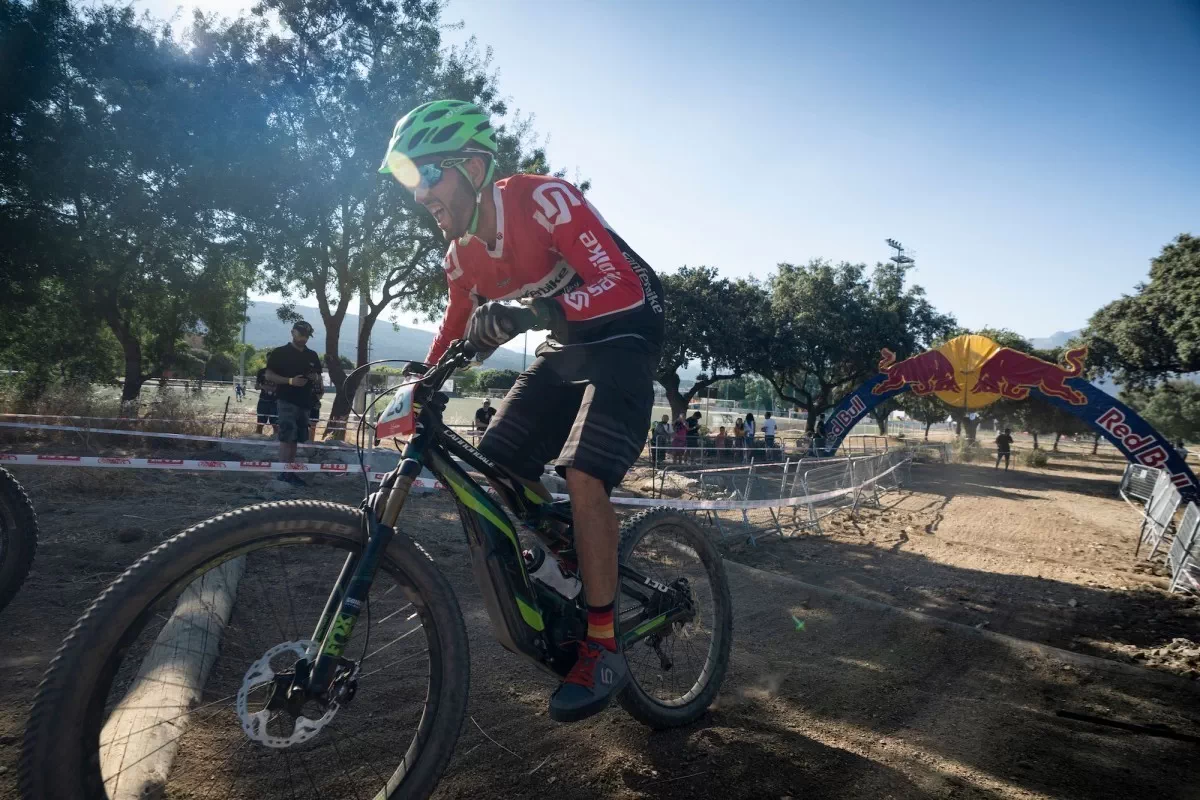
(972, 372)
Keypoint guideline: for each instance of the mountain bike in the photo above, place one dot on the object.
(311, 649)
(18, 536)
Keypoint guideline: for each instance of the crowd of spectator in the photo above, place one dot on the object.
(684, 442)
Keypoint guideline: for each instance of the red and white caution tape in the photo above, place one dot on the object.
(194, 437)
(423, 484)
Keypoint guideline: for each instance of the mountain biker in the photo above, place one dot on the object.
(588, 397)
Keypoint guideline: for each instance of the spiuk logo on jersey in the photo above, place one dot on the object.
(555, 201)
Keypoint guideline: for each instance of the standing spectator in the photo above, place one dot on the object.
(739, 438)
(750, 430)
(661, 440)
(720, 441)
(1180, 449)
(819, 436)
(293, 367)
(483, 416)
(679, 440)
(238, 391)
(1003, 448)
(769, 431)
(266, 408)
(693, 434)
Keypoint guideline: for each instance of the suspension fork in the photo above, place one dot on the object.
(353, 586)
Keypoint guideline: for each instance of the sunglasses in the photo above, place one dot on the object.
(430, 175)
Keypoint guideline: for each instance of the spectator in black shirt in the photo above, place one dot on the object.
(1003, 448)
(693, 432)
(294, 369)
(819, 436)
(483, 416)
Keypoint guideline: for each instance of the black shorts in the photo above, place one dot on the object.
(267, 411)
(587, 407)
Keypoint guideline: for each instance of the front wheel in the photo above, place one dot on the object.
(677, 671)
(175, 682)
(18, 536)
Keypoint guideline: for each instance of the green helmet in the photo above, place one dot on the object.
(442, 126)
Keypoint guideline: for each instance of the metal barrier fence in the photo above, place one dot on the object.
(1159, 513)
(1138, 483)
(1158, 520)
(812, 488)
(1181, 555)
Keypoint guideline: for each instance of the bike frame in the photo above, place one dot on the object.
(516, 613)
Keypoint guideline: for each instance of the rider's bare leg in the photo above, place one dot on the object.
(596, 536)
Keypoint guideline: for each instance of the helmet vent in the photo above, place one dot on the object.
(445, 134)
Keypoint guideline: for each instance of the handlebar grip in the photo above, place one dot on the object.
(468, 350)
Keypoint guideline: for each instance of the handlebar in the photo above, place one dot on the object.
(457, 355)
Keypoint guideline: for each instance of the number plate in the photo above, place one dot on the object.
(399, 418)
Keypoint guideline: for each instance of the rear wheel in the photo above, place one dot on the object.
(18, 536)
(677, 671)
(170, 684)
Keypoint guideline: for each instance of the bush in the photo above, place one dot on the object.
(965, 452)
(1035, 458)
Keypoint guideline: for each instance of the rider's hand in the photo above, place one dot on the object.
(298, 380)
(493, 324)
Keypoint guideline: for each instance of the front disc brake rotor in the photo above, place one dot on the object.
(260, 675)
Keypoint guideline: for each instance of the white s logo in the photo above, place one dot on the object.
(555, 200)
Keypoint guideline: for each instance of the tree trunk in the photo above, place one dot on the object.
(1035, 439)
(957, 428)
(340, 410)
(1057, 436)
(131, 348)
(972, 426)
(1095, 443)
(678, 400)
(881, 420)
(927, 426)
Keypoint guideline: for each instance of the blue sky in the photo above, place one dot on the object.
(1036, 156)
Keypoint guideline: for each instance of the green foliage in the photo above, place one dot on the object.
(120, 183)
(50, 344)
(466, 381)
(1154, 333)
(713, 320)
(1173, 408)
(827, 325)
(1035, 458)
(499, 379)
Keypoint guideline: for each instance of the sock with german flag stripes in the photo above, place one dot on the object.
(600, 627)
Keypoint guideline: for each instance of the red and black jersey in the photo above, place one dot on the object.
(551, 242)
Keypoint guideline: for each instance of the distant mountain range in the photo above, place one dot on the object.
(264, 329)
(1057, 339)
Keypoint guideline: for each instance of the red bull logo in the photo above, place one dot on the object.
(165, 462)
(924, 373)
(335, 467)
(67, 459)
(1011, 373)
(255, 464)
(115, 460)
(212, 464)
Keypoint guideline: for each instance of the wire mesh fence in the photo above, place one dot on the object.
(796, 494)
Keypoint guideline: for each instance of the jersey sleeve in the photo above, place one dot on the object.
(575, 231)
(458, 312)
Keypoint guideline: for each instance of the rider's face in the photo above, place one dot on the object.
(451, 200)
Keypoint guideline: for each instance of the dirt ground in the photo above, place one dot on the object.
(853, 705)
(1040, 554)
